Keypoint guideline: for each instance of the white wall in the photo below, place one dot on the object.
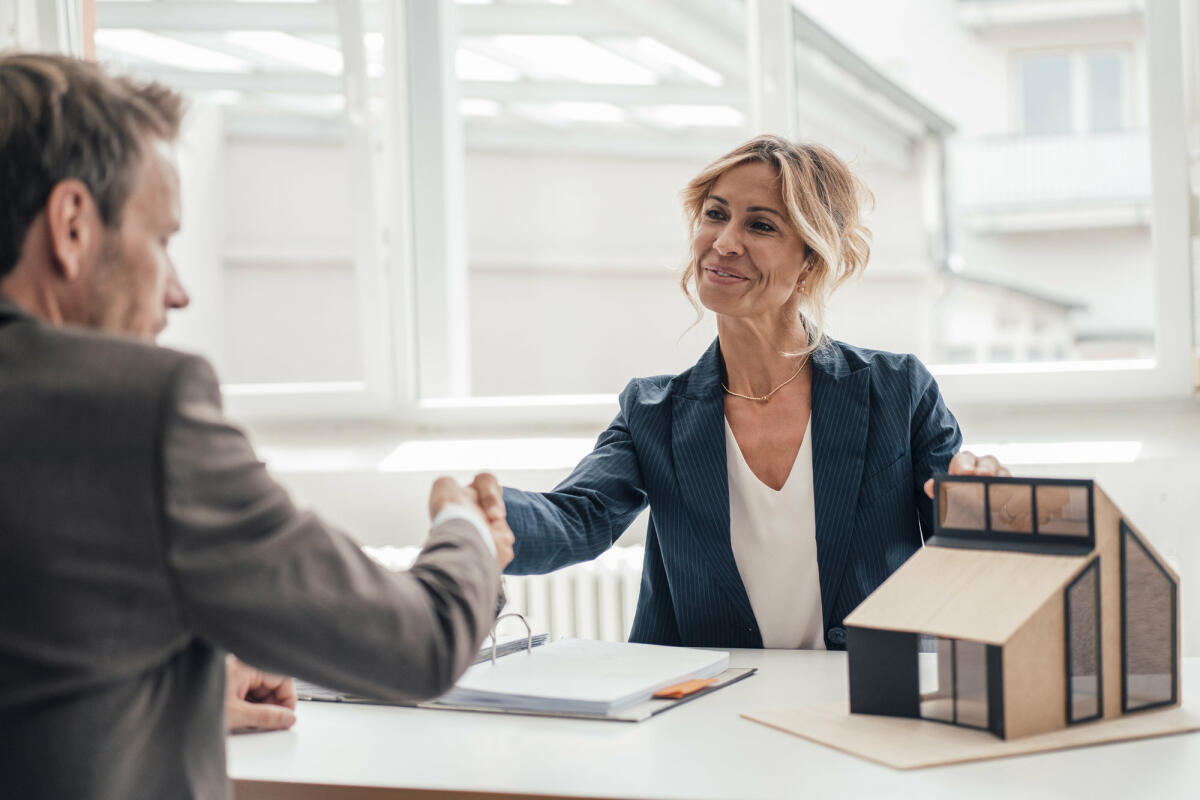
(1108, 268)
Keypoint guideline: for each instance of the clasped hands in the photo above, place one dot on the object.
(483, 495)
(259, 701)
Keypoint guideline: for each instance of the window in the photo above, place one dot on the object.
(1106, 91)
(1085, 699)
(278, 247)
(1064, 509)
(1046, 94)
(1149, 628)
(1014, 519)
(466, 214)
(937, 686)
(959, 689)
(1048, 514)
(1083, 91)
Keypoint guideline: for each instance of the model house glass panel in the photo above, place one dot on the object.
(1010, 506)
(970, 684)
(1083, 645)
(937, 700)
(960, 505)
(1149, 627)
(1063, 510)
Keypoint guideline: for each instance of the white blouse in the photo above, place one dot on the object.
(774, 537)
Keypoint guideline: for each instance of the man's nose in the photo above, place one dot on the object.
(176, 296)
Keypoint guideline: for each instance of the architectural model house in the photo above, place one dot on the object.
(1042, 606)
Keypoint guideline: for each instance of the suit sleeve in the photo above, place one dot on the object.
(586, 513)
(934, 437)
(284, 591)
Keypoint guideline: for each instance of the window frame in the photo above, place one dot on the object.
(1079, 86)
(1128, 533)
(1093, 565)
(1032, 541)
(402, 350)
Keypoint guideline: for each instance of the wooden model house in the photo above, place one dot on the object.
(1040, 606)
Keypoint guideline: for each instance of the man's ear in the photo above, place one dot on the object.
(75, 228)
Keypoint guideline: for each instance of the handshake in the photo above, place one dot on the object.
(482, 495)
(256, 700)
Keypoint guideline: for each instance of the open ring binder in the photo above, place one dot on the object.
(528, 630)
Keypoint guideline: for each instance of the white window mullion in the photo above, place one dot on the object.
(1171, 196)
(771, 68)
(1081, 106)
(436, 203)
(370, 278)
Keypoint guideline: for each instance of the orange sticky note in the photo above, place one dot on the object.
(684, 689)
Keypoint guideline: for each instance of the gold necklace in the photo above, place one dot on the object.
(767, 396)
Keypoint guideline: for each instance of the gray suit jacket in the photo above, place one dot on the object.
(140, 538)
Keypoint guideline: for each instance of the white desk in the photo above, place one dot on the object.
(702, 749)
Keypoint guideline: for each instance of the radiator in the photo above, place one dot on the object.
(593, 600)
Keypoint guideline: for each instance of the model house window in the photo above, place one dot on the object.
(1079, 92)
(970, 684)
(957, 691)
(937, 686)
(1083, 646)
(1015, 513)
(1148, 627)
(1006, 504)
(1064, 510)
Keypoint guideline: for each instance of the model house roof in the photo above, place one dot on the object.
(958, 593)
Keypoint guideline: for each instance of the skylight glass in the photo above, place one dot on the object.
(576, 58)
(478, 107)
(290, 49)
(472, 66)
(689, 116)
(122, 42)
(566, 112)
(667, 59)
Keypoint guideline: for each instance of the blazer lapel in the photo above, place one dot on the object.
(698, 449)
(840, 409)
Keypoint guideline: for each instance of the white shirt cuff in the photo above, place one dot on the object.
(472, 516)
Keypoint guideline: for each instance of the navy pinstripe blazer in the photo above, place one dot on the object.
(879, 429)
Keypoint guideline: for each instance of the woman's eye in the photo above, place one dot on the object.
(714, 213)
(765, 227)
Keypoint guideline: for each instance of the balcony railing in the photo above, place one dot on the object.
(1053, 173)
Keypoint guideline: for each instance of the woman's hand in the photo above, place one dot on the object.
(967, 463)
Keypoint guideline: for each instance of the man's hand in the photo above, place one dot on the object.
(967, 463)
(256, 700)
(447, 491)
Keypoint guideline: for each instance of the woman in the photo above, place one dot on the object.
(785, 472)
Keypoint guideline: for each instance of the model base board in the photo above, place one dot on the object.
(914, 743)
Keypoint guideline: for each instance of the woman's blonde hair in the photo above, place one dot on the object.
(824, 202)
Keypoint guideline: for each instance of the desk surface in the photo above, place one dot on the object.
(702, 749)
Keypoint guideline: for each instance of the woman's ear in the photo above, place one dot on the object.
(75, 229)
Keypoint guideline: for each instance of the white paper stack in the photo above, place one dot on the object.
(581, 676)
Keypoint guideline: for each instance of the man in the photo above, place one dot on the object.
(140, 538)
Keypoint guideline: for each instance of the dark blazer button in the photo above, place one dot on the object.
(836, 636)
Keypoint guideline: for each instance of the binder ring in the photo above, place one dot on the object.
(528, 630)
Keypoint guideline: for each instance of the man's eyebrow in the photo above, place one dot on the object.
(725, 203)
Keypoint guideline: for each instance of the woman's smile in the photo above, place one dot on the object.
(724, 275)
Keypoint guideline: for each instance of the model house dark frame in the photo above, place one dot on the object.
(1031, 542)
